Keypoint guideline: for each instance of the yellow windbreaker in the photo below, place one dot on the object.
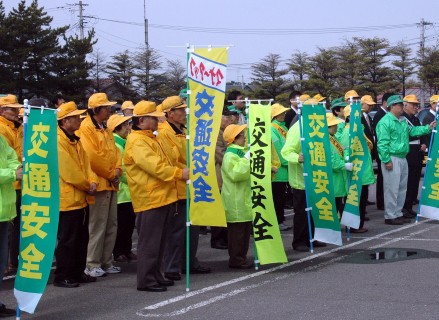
(11, 134)
(150, 174)
(175, 146)
(101, 149)
(75, 174)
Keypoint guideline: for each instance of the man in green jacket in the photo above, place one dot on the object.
(280, 180)
(393, 145)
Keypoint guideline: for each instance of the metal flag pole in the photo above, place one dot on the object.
(188, 221)
(351, 101)
(305, 175)
(433, 132)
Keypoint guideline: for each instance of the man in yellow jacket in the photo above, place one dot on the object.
(152, 182)
(9, 110)
(172, 135)
(76, 181)
(106, 162)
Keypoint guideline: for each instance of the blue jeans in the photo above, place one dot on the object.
(3, 249)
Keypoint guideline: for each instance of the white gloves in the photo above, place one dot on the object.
(348, 166)
(247, 155)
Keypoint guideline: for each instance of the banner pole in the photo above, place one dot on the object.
(433, 133)
(188, 221)
(308, 213)
(351, 101)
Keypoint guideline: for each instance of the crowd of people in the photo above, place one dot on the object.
(125, 171)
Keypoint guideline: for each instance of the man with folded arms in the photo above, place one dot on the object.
(393, 146)
(152, 180)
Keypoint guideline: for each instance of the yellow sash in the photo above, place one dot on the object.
(281, 130)
(337, 145)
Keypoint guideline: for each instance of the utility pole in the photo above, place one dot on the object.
(147, 52)
(81, 18)
(422, 25)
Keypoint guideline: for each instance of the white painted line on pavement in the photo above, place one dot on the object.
(403, 238)
(270, 270)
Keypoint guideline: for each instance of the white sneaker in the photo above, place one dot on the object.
(94, 272)
(113, 269)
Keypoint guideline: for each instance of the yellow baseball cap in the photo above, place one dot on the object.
(174, 102)
(367, 100)
(68, 109)
(145, 108)
(332, 120)
(277, 109)
(304, 97)
(351, 94)
(411, 98)
(116, 120)
(347, 111)
(319, 97)
(232, 131)
(10, 101)
(434, 99)
(99, 99)
(127, 105)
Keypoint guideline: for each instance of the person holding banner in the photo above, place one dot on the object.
(393, 146)
(172, 135)
(10, 171)
(152, 182)
(236, 196)
(280, 180)
(106, 162)
(76, 181)
(339, 167)
(9, 110)
(414, 157)
(126, 219)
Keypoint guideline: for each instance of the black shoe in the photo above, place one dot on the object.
(301, 248)
(369, 203)
(416, 201)
(172, 276)
(66, 283)
(85, 278)
(220, 246)
(166, 283)
(408, 213)
(394, 222)
(243, 266)
(404, 219)
(6, 312)
(318, 244)
(153, 288)
(198, 270)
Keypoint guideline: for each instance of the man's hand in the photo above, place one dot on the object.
(432, 125)
(92, 189)
(301, 159)
(389, 166)
(19, 173)
(423, 147)
(274, 170)
(185, 175)
(118, 172)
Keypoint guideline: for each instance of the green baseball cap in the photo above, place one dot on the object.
(395, 99)
(339, 102)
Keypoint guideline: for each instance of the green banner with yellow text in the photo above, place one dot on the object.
(357, 155)
(39, 208)
(266, 232)
(207, 83)
(318, 174)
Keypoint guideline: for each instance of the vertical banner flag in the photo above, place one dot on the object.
(318, 179)
(429, 206)
(266, 232)
(359, 159)
(39, 208)
(207, 84)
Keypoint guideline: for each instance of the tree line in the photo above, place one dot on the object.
(37, 60)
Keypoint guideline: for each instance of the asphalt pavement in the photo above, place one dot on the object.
(387, 273)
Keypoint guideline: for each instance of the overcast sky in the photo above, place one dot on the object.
(254, 28)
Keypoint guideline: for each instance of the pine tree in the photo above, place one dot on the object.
(268, 76)
(121, 70)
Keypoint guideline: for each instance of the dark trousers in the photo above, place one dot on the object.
(71, 251)
(279, 190)
(14, 233)
(126, 221)
(300, 227)
(238, 234)
(218, 235)
(379, 186)
(413, 179)
(363, 202)
(151, 228)
(339, 204)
